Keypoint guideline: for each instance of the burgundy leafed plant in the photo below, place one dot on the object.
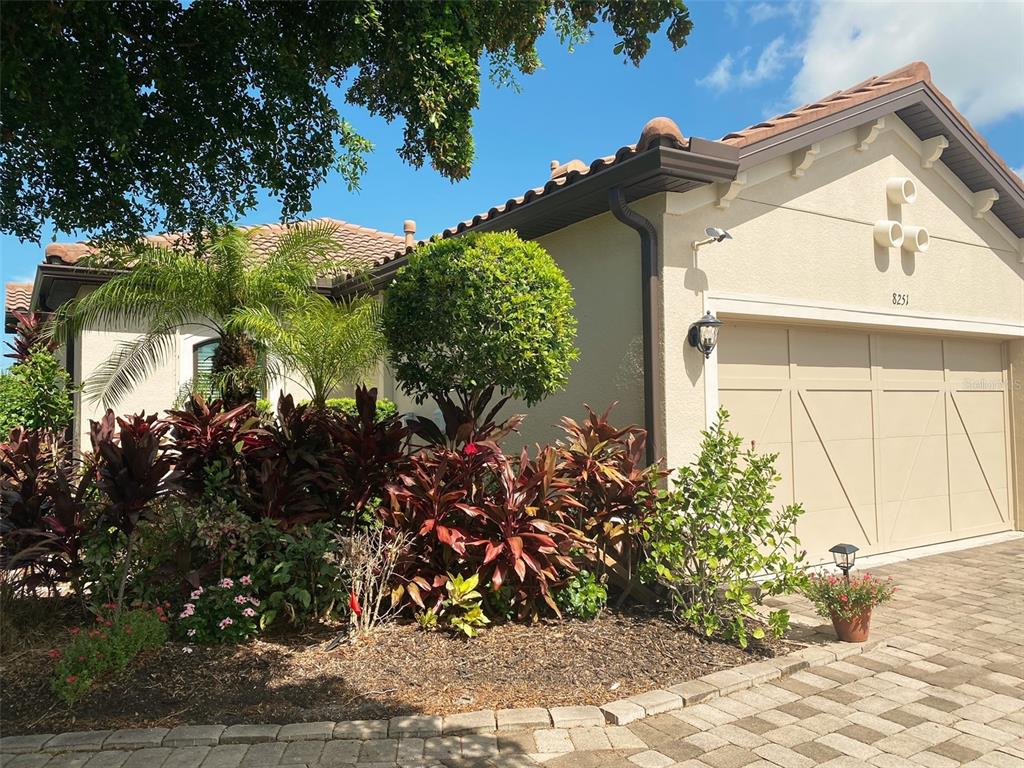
(28, 336)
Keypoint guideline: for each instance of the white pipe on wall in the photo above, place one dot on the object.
(888, 233)
(916, 239)
(901, 190)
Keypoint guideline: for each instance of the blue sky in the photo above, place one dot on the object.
(744, 62)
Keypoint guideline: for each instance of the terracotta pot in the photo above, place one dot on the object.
(855, 630)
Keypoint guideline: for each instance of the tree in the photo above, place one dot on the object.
(321, 345)
(478, 313)
(131, 117)
(165, 289)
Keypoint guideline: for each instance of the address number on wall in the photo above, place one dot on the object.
(901, 299)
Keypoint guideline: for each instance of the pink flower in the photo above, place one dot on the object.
(246, 580)
(226, 622)
(187, 610)
(241, 599)
(249, 612)
(196, 594)
(255, 601)
(226, 583)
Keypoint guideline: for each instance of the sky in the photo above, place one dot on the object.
(744, 62)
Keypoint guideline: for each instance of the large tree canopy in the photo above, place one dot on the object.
(123, 117)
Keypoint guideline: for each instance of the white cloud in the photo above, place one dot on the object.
(972, 49)
(1019, 171)
(734, 72)
(763, 11)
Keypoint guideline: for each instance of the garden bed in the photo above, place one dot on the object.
(400, 670)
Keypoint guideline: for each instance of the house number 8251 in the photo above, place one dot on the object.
(901, 299)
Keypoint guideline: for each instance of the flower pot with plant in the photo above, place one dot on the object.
(848, 602)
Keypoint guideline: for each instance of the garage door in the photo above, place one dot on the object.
(889, 441)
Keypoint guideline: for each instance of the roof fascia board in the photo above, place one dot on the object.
(917, 93)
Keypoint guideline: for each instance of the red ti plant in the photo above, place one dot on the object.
(43, 510)
(133, 469)
(520, 529)
(476, 512)
(366, 454)
(206, 434)
(28, 335)
(611, 481)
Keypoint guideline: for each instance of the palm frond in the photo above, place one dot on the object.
(129, 363)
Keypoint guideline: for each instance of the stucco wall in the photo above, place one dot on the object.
(601, 259)
(804, 247)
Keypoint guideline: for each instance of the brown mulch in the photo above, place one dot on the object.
(292, 677)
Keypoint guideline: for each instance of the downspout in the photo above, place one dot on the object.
(650, 287)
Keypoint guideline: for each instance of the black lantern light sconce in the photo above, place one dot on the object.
(703, 335)
(844, 556)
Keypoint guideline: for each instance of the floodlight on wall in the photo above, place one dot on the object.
(714, 235)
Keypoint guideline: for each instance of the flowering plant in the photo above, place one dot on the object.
(109, 645)
(225, 612)
(835, 596)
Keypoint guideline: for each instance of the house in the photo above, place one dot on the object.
(871, 292)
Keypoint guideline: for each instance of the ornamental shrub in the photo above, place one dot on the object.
(476, 314)
(347, 405)
(108, 646)
(36, 394)
(716, 531)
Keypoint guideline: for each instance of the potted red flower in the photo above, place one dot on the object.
(848, 601)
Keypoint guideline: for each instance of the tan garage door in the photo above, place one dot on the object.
(889, 441)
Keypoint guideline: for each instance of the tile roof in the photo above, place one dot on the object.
(17, 296)
(872, 88)
(367, 245)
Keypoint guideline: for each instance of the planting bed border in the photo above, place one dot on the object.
(488, 721)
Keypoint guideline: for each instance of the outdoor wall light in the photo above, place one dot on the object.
(714, 235)
(844, 556)
(703, 335)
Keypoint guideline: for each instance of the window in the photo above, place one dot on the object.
(202, 367)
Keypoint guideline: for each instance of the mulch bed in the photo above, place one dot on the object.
(292, 678)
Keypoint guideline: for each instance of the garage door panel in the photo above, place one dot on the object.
(913, 467)
(825, 527)
(897, 440)
(832, 415)
(817, 354)
(760, 352)
(911, 413)
(977, 412)
(909, 358)
(913, 522)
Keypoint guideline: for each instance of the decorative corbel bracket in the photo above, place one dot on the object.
(867, 134)
(983, 201)
(727, 191)
(931, 150)
(803, 159)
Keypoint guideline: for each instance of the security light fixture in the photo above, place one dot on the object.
(844, 556)
(703, 335)
(714, 235)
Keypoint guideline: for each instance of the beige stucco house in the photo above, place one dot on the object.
(872, 295)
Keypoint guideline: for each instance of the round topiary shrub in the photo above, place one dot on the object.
(478, 313)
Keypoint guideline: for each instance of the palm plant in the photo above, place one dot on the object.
(164, 289)
(321, 345)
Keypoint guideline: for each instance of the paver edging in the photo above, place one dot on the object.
(619, 712)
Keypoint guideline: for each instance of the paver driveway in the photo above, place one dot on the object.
(948, 690)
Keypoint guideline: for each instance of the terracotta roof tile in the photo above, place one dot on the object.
(17, 296)
(362, 243)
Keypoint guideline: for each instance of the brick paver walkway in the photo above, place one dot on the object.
(947, 690)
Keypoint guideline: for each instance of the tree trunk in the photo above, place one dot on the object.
(236, 369)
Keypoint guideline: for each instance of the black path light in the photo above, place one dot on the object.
(703, 335)
(844, 556)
